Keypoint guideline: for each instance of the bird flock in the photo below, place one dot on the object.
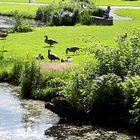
(52, 57)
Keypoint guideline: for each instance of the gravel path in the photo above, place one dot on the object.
(112, 12)
(115, 8)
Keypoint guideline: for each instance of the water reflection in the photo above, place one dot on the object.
(23, 119)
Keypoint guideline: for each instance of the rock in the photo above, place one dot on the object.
(102, 21)
(64, 109)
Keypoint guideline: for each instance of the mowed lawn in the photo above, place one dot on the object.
(26, 10)
(97, 2)
(22, 45)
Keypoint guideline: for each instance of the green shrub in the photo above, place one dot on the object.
(79, 92)
(121, 60)
(108, 104)
(85, 18)
(1, 55)
(20, 24)
(51, 87)
(3, 76)
(68, 14)
(131, 88)
(16, 72)
(56, 19)
(30, 80)
(98, 12)
(24, 27)
(62, 14)
(44, 13)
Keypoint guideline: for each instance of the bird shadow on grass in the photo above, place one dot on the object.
(72, 54)
(47, 46)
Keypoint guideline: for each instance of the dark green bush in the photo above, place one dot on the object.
(108, 100)
(3, 76)
(64, 14)
(98, 12)
(131, 88)
(30, 80)
(56, 19)
(16, 72)
(79, 92)
(85, 17)
(52, 85)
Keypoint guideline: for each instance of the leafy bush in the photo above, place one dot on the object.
(24, 27)
(131, 88)
(79, 92)
(108, 100)
(20, 24)
(56, 19)
(44, 13)
(67, 13)
(98, 12)
(30, 80)
(16, 72)
(3, 76)
(85, 18)
(62, 14)
(122, 60)
(50, 88)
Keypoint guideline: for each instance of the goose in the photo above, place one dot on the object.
(40, 56)
(69, 59)
(72, 49)
(3, 35)
(123, 36)
(53, 56)
(50, 41)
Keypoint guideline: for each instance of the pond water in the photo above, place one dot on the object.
(23, 119)
(29, 120)
(8, 22)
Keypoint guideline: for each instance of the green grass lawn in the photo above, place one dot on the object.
(26, 10)
(31, 44)
(97, 2)
(118, 2)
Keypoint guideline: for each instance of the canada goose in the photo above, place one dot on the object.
(3, 35)
(123, 36)
(69, 59)
(40, 56)
(53, 56)
(72, 49)
(50, 41)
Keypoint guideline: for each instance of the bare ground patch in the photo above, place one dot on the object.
(55, 66)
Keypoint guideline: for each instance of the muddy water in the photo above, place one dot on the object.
(23, 119)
